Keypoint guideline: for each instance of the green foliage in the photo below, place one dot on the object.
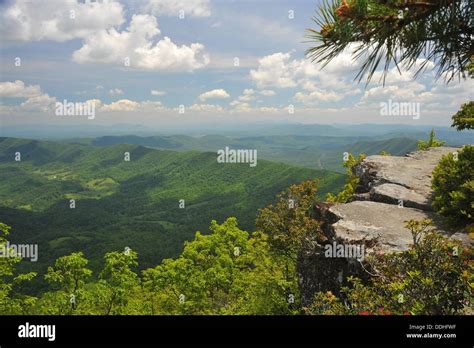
(464, 118)
(289, 223)
(225, 272)
(432, 142)
(69, 276)
(319, 149)
(12, 300)
(395, 31)
(434, 277)
(134, 203)
(384, 153)
(351, 183)
(117, 282)
(453, 184)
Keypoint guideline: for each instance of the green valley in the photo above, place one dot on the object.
(136, 203)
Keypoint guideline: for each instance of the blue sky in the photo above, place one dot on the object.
(76, 51)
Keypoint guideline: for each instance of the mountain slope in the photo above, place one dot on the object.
(132, 204)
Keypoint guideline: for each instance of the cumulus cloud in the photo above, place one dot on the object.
(239, 106)
(214, 94)
(248, 95)
(18, 89)
(36, 99)
(57, 20)
(275, 70)
(135, 47)
(121, 105)
(279, 70)
(318, 96)
(192, 8)
(334, 83)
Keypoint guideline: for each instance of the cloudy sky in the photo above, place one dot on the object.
(224, 61)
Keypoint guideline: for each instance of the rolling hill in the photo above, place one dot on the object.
(317, 152)
(132, 203)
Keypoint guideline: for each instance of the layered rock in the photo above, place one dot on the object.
(392, 191)
(406, 179)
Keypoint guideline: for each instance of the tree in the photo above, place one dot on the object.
(290, 223)
(432, 142)
(11, 300)
(464, 118)
(225, 272)
(292, 227)
(396, 31)
(401, 32)
(118, 283)
(69, 274)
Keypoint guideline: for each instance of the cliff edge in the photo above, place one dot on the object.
(391, 191)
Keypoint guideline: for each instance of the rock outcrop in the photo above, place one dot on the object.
(391, 191)
(407, 179)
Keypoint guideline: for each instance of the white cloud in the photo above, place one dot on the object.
(275, 70)
(248, 95)
(280, 71)
(239, 106)
(215, 94)
(157, 93)
(57, 20)
(318, 96)
(39, 103)
(192, 8)
(121, 105)
(36, 99)
(18, 89)
(115, 91)
(136, 46)
(405, 92)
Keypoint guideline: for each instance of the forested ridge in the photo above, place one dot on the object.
(134, 203)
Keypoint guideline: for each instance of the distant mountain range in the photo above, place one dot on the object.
(317, 152)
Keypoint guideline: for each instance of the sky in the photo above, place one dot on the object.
(221, 61)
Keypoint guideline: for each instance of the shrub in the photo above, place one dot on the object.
(453, 184)
(351, 183)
